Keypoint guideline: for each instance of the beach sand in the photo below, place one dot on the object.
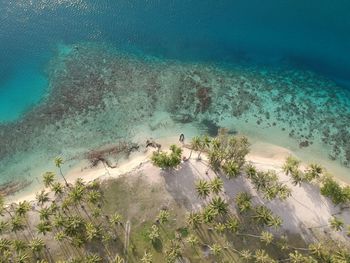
(303, 213)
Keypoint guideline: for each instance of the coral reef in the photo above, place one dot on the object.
(99, 95)
(12, 187)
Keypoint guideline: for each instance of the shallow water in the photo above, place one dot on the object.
(278, 71)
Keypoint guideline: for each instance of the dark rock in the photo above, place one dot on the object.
(304, 144)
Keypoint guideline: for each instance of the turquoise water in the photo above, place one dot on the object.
(313, 35)
(278, 66)
(21, 91)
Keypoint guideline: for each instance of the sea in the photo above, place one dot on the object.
(79, 74)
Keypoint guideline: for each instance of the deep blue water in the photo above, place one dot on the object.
(307, 34)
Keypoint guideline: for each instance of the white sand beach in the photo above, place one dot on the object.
(304, 212)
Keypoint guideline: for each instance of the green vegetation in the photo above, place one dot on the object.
(200, 144)
(332, 189)
(121, 221)
(227, 153)
(164, 160)
(314, 173)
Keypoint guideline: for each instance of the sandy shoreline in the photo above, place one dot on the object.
(305, 209)
(265, 155)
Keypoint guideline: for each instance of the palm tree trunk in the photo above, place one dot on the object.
(189, 157)
(63, 177)
(248, 235)
(86, 213)
(29, 229)
(48, 255)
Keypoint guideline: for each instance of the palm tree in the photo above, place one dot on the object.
(231, 169)
(94, 197)
(204, 143)
(93, 232)
(297, 177)
(195, 145)
(243, 201)
(74, 226)
(283, 192)
(23, 208)
(216, 185)
(341, 255)
(76, 196)
(58, 163)
(216, 249)
(266, 237)
(3, 227)
(263, 215)
(147, 258)
(53, 208)
(203, 188)
(163, 216)
(173, 252)
(93, 258)
(43, 227)
(336, 224)
(291, 164)
(270, 192)
(94, 185)
(215, 157)
(77, 242)
(37, 245)
(60, 236)
(19, 246)
(209, 214)
(96, 212)
(314, 171)
(219, 205)
(22, 258)
(79, 181)
(296, 257)
(166, 161)
(261, 180)
(3, 207)
(45, 213)
(318, 250)
(118, 259)
(250, 171)
(59, 221)
(17, 224)
(332, 189)
(206, 140)
(275, 222)
(262, 257)
(193, 219)
(192, 240)
(116, 219)
(220, 227)
(154, 233)
(42, 197)
(48, 178)
(232, 224)
(5, 245)
(246, 254)
(65, 205)
(57, 188)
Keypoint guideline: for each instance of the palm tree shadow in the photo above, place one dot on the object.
(180, 184)
(281, 208)
(157, 245)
